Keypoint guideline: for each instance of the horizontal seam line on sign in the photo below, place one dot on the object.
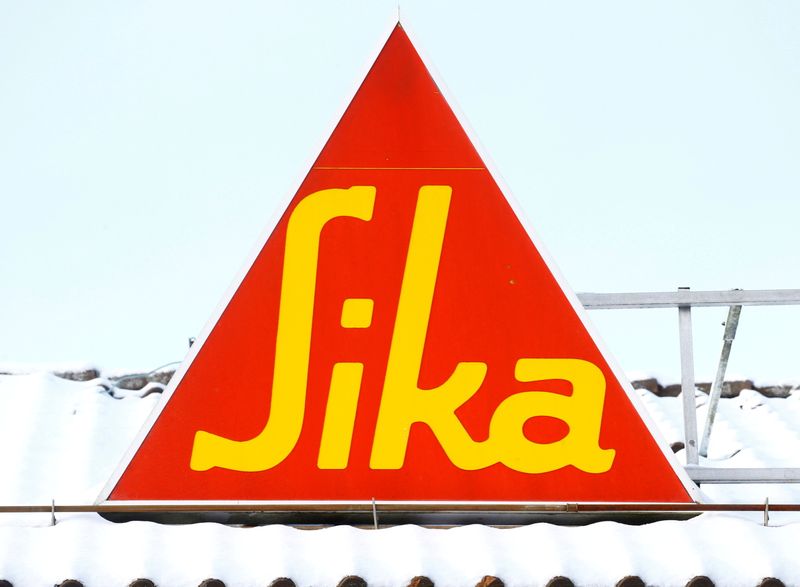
(410, 168)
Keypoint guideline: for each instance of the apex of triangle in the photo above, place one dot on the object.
(398, 118)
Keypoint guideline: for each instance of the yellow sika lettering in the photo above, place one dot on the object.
(403, 403)
(582, 412)
(340, 416)
(290, 377)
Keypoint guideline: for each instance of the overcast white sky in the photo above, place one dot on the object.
(144, 146)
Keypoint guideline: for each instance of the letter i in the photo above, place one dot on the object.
(340, 413)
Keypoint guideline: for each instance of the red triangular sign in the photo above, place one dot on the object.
(399, 337)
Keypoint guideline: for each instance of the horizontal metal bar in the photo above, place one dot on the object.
(397, 507)
(685, 297)
(743, 475)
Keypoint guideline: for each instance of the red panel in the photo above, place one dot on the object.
(495, 301)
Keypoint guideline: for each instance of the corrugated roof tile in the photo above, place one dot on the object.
(559, 581)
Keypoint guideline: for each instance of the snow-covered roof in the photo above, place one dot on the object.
(62, 439)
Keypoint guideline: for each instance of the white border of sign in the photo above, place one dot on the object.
(692, 489)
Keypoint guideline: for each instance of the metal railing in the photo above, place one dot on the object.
(684, 300)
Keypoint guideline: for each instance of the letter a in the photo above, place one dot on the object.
(582, 412)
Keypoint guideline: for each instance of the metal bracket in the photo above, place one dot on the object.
(716, 389)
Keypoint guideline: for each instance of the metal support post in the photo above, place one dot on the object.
(687, 384)
(716, 389)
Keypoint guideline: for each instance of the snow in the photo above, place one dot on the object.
(67, 437)
(729, 550)
(64, 438)
(19, 368)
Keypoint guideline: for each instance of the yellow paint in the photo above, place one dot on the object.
(403, 402)
(290, 378)
(357, 313)
(582, 411)
(340, 416)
